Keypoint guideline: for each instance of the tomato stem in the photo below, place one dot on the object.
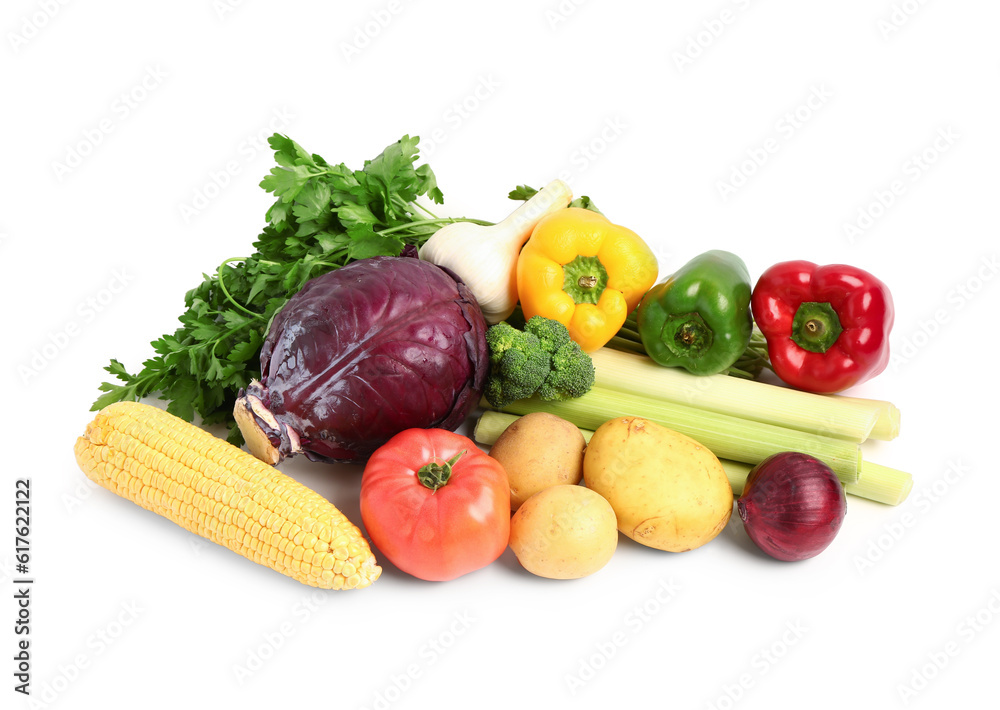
(434, 474)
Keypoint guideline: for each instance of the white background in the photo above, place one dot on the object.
(129, 609)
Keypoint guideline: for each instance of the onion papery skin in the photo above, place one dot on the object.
(792, 506)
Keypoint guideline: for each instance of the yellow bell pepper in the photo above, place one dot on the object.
(585, 272)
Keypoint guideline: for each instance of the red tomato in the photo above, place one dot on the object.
(443, 533)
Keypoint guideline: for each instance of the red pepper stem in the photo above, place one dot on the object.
(816, 326)
(434, 474)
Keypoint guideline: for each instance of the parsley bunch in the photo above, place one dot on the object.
(324, 217)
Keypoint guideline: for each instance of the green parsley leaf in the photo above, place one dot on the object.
(324, 216)
(524, 192)
(366, 243)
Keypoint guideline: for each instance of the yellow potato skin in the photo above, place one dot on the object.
(667, 490)
(564, 532)
(537, 451)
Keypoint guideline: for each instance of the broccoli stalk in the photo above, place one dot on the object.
(542, 359)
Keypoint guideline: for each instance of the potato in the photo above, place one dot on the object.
(537, 451)
(564, 532)
(667, 490)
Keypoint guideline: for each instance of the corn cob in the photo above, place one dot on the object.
(218, 491)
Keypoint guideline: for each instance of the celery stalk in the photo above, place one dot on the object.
(877, 483)
(725, 435)
(882, 484)
(886, 416)
(492, 424)
(849, 418)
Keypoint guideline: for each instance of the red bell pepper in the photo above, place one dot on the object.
(827, 327)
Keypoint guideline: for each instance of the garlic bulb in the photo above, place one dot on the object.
(485, 258)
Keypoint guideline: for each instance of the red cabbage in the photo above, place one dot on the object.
(363, 352)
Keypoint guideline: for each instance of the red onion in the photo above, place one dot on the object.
(792, 506)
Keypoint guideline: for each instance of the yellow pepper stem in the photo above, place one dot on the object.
(585, 279)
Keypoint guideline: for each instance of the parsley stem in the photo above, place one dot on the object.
(420, 206)
(436, 220)
(222, 285)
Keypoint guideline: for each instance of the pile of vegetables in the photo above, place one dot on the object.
(366, 329)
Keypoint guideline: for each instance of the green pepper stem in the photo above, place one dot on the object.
(749, 365)
(434, 474)
(687, 335)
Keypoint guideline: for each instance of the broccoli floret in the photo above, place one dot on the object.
(518, 365)
(552, 334)
(541, 359)
(572, 374)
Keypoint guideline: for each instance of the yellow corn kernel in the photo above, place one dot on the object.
(228, 496)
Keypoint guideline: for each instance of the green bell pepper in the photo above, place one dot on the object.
(699, 317)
